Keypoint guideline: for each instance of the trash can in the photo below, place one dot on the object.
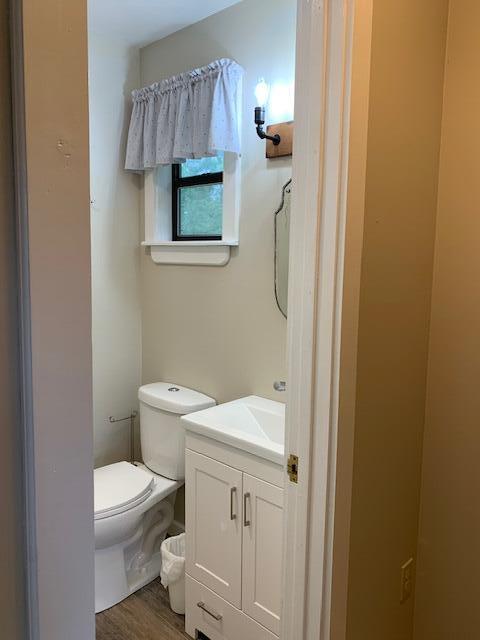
(173, 571)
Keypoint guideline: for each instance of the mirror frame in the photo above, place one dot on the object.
(275, 217)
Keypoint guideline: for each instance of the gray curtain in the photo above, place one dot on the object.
(193, 115)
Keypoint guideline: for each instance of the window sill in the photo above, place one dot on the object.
(214, 253)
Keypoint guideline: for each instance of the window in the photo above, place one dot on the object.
(197, 199)
(192, 212)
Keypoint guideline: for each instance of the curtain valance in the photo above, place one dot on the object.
(193, 115)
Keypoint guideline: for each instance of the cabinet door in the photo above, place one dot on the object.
(214, 525)
(262, 552)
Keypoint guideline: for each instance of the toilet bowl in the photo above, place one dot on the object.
(134, 502)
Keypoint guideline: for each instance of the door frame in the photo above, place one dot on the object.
(51, 146)
(315, 320)
(320, 172)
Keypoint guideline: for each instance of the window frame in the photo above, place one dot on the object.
(157, 197)
(179, 182)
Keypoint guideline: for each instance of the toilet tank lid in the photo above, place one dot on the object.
(174, 398)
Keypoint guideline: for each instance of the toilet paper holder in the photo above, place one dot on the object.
(131, 417)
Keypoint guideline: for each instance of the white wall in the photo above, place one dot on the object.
(219, 329)
(114, 70)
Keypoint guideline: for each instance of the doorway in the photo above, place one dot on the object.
(312, 23)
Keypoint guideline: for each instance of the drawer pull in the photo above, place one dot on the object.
(233, 492)
(246, 523)
(211, 612)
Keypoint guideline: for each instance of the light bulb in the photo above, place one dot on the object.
(262, 91)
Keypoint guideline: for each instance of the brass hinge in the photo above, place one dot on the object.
(292, 468)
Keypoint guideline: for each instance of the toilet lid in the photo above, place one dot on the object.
(119, 487)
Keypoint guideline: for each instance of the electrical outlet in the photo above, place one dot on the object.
(406, 587)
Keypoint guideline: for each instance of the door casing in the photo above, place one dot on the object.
(53, 193)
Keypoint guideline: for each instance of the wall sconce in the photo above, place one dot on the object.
(277, 145)
(262, 91)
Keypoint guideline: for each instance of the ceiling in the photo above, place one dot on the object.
(139, 22)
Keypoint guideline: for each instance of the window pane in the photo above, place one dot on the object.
(201, 166)
(200, 210)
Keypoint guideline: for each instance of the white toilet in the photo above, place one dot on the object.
(134, 503)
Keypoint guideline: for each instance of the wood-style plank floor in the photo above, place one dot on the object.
(145, 615)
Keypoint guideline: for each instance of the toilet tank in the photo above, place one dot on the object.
(162, 433)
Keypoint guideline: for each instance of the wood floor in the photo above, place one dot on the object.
(145, 615)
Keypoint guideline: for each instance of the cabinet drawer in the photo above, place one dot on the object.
(231, 624)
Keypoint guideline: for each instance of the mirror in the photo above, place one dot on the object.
(282, 240)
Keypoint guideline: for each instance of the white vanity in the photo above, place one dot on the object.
(234, 519)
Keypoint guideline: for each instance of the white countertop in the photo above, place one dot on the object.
(252, 424)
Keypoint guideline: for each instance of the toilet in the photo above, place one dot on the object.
(134, 502)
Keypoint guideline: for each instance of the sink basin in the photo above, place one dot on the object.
(253, 424)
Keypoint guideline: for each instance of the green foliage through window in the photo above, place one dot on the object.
(201, 210)
(197, 199)
(201, 166)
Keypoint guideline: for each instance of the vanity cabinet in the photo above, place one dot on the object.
(234, 526)
(213, 492)
(262, 552)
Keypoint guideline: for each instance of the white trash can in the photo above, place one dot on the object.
(173, 571)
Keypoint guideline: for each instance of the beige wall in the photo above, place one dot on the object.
(56, 109)
(12, 606)
(408, 45)
(114, 70)
(449, 542)
(218, 329)
(356, 184)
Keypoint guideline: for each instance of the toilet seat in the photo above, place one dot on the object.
(120, 487)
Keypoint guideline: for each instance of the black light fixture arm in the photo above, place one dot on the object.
(276, 139)
(260, 121)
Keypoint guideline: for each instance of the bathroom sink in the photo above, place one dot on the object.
(253, 424)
